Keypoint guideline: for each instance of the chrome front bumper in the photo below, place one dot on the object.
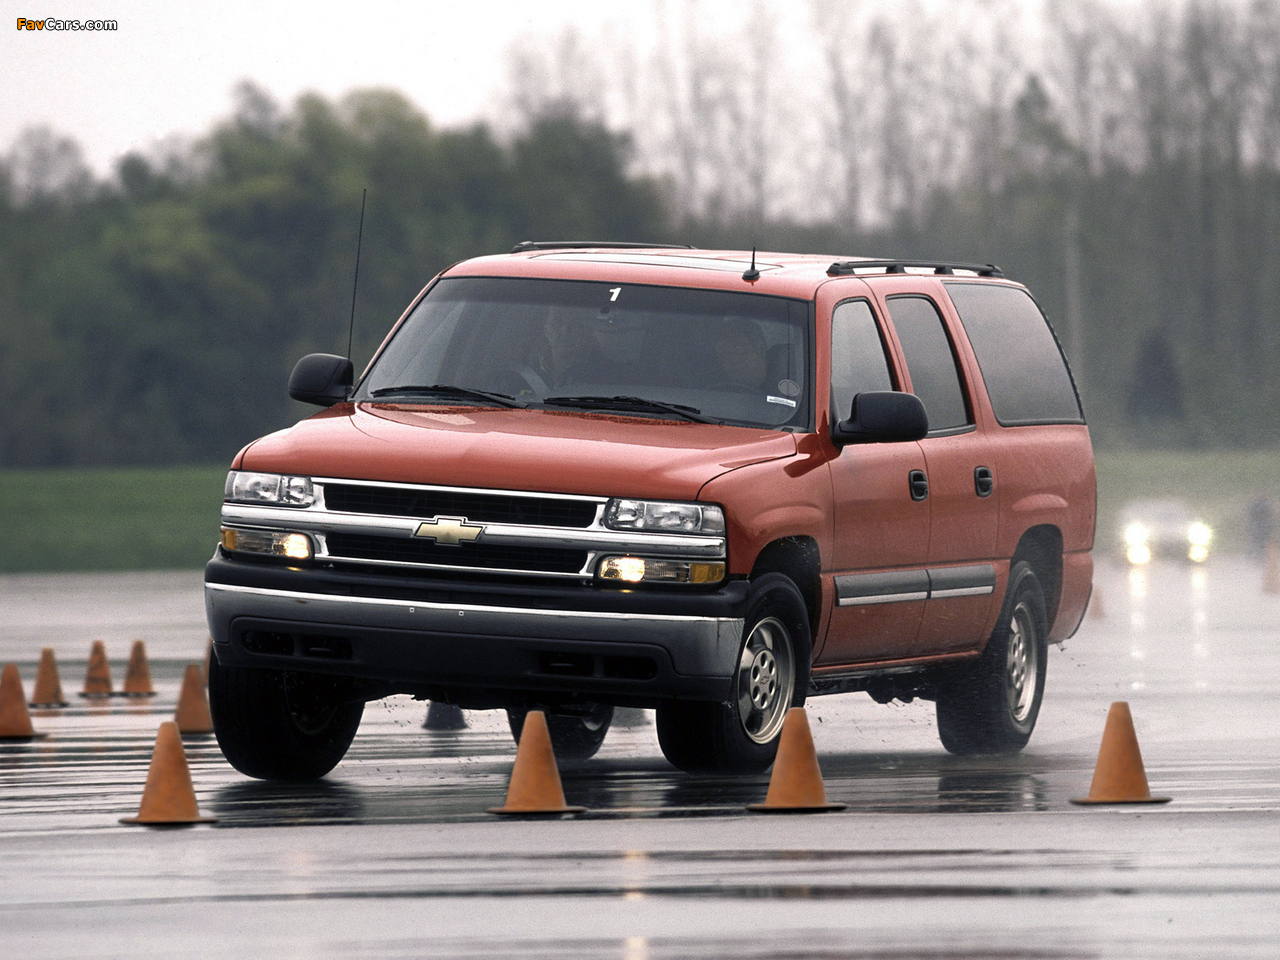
(632, 646)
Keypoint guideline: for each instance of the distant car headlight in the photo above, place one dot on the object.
(1139, 554)
(662, 516)
(244, 486)
(1199, 536)
(1136, 534)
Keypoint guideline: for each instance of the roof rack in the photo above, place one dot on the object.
(528, 245)
(843, 268)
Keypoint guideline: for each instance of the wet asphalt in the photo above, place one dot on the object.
(394, 854)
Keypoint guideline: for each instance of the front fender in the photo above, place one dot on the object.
(765, 502)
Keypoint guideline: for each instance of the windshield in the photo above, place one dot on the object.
(710, 355)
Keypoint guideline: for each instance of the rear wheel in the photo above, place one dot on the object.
(740, 735)
(282, 724)
(574, 736)
(991, 705)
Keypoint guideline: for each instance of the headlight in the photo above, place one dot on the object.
(1135, 534)
(245, 487)
(647, 570)
(1199, 534)
(660, 516)
(272, 543)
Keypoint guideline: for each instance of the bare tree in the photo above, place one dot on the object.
(46, 165)
(560, 76)
(846, 132)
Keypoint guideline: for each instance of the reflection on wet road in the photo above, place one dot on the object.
(935, 856)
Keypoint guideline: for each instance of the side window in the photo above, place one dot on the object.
(858, 362)
(935, 376)
(1019, 356)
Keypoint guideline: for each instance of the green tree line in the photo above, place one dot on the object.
(154, 318)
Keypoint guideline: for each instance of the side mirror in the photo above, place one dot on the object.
(882, 417)
(322, 379)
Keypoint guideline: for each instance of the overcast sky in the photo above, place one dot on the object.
(170, 67)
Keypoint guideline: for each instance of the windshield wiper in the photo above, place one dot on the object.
(633, 403)
(449, 390)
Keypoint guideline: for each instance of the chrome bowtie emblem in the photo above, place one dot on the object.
(449, 531)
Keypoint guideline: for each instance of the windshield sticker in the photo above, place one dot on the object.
(782, 400)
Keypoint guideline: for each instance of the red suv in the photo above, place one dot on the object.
(581, 476)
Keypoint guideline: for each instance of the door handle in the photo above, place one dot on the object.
(919, 484)
(983, 481)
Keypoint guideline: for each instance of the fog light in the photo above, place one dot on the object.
(1139, 554)
(629, 569)
(275, 543)
(638, 569)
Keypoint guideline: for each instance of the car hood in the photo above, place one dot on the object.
(544, 450)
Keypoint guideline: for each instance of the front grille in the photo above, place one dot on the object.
(476, 507)
(480, 556)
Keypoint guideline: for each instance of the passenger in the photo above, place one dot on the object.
(738, 348)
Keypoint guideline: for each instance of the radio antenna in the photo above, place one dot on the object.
(351, 327)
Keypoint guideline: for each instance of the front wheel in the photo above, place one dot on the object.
(281, 724)
(740, 735)
(991, 705)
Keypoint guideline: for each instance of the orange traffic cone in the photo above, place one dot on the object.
(535, 782)
(1271, 569)
(97, 678)
(1119, 776)
(192, 714)
(168, 799)
(137, 678)
(796, 783)
(48, 691)
(15, 721)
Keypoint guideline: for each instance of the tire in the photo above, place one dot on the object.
(740, 735)
(281, 724)
(574, 736)
(991, 705)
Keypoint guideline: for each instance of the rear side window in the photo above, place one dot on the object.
(931, 361)
(1026, 374)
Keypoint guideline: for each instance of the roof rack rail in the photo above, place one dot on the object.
(528, 245)
(843, 268)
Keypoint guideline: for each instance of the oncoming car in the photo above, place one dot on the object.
(1168, 528)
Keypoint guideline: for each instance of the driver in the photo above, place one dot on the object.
(565, 354)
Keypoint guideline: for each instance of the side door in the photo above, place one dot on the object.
(880, 530)
(962, 486)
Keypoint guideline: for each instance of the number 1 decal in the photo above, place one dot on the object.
(613, 294)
